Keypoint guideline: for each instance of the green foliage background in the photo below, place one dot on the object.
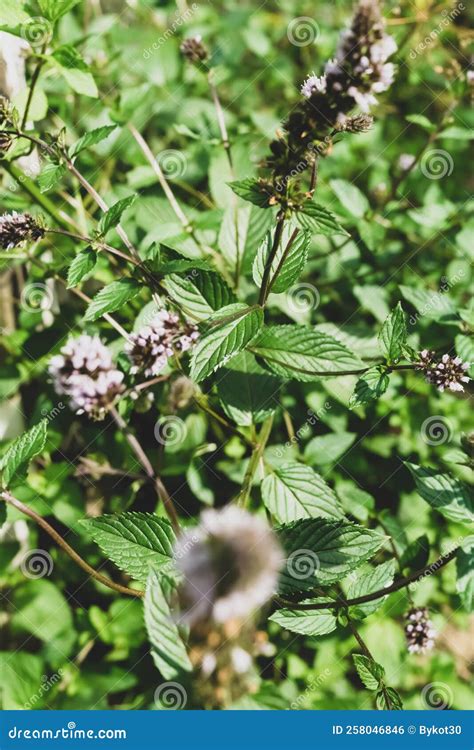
(411, 240)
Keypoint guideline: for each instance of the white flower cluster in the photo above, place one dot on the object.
(230, 564)
(447, 373)
(84, 371)
(360, 69)
(362, 57)
(312, 84)
(419, 631)
(150, 348)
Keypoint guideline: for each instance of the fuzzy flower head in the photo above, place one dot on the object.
(313, 84)
(352, 80)
(419, 631)
(356, 124)
(360, 69)
(150, 348)
(85, 372)
(15, 229)
(194, 50)
(230, 565)
(446, 373)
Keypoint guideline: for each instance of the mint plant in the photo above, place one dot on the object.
(187, 299)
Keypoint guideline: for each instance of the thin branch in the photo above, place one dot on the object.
(161, 490)
(226, 143)
(221, 123)
(147, 152)
(102, 205)
(98, 243)
(201, 404)
(264, 289)
(13, 501)
(81, 295)
(34, 81)
(82, 180)
(284, 256)
(341, 373)
(396, 555)
(33, 191)
(254, 461)
(418, 575)
(366, 651)
(107, 316)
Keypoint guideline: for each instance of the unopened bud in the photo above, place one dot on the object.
(194, 50)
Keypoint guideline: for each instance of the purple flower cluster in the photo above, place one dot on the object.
(445, 373)
(419, 631)
(360, 69)
(150, 348)
(84, 371)
(17, 228)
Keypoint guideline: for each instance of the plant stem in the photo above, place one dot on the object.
(359, 638)
(147, 152)
(42, 200)
(431, 138)
(286, 251)
(11, 500)
(341, 373)
(107, 316)
(102, 205)
(366, 651)
(83, 181)
(221, 123)
(201, 404)
(418, 575)
(255, 460)
(264, 289)
(160, 488)
(98, 243)
(81, 295)
(153, 162)
(34, 81)
(397, 557)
